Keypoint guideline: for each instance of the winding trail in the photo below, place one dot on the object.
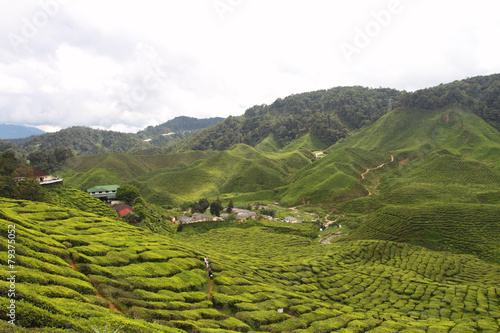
(378, 181)
(381, 165)
(209, 293)
(111, 305)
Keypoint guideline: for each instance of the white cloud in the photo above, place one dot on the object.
(124, 65)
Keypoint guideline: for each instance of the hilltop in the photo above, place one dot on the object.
(336, 113)
(88, 141)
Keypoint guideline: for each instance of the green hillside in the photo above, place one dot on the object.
(269, 144)
(172, 179)
(443, 146)
(78, 270)
(83, 141)
(307, 142)
(241, 169)
(123, 167)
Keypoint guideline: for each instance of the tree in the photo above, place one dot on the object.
(231, 217)
(216, 207)
(267, 211)
(230, 206)
(200, 206)
(30, 189)
(7, 186)
(127, 193)
(141, 211)
(8, 163)
(185, 206)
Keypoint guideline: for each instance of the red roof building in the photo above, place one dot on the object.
(123, 209)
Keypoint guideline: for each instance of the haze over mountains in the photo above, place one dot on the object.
(17, 131)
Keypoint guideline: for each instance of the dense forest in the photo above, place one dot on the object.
(178, 124)
(336, 113)
(480, 94)
(83, 140)
(327, 114)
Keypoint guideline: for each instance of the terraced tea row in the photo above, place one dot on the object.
(264, 279)
(460, 228)
(351, 286)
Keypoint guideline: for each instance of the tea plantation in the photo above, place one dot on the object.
(268, 277)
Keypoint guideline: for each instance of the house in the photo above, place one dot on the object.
(104, 192)
(243, 214)
(291, 219)
(44, 178)
(184, 219)
(197, 217)
(123, 209)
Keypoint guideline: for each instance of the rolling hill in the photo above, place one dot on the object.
(175, 178)
(414, 193)
(77, 271)
(88, 141)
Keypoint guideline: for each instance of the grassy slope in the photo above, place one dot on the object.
(240, 169)
(412, 133)
(307, 142)
(269, 144)
(406, 134)
(445, 194)
(123, 167)
(175, 178)
(373, 286)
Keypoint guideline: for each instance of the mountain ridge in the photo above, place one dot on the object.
(9, 131)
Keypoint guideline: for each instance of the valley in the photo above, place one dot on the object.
(411, 199)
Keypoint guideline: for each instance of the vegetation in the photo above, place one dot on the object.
(128, 193)
(410, 197)
(50, 161)
(83, 141)
(175, 130)
(328, 115)
(128, 277)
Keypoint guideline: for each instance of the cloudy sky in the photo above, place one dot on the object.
(127, 64)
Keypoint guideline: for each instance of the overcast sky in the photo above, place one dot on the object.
(124, 65)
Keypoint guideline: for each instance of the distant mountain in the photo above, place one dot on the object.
(328, 115)
(18, 131)
(179, 124)
(333, 114)
(175, 130)
(83, 141)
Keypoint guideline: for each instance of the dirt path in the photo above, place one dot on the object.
(378, 181)
(111, 305)
(72, 263)
(381, 165)
(209, 294)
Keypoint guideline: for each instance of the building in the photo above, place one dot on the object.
(104, 192)
(123, 209)
(184, 219)
(44, 178)
(291, 219)
(197, 217)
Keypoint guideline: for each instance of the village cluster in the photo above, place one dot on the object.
(108, 194)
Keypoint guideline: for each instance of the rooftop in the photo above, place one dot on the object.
(103, 188)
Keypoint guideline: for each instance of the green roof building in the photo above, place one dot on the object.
(104, 192)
